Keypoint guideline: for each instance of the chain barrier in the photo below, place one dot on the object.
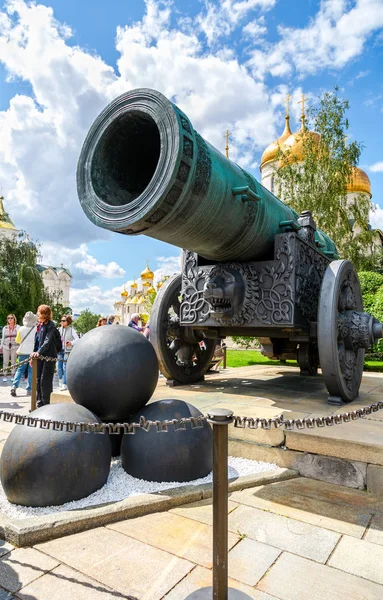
(194, 422)
(27, 360)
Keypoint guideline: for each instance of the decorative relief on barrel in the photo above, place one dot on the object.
(183, 172)
(186, 125)
(203, 167)
(188, 147)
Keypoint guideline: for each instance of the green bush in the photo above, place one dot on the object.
(370, 281)
(372, 292)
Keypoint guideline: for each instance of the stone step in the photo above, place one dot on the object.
(360, 440)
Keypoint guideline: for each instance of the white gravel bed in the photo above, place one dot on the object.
(120, 485)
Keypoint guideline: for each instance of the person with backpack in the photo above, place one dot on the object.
(68, 338)
(26, 338)
(47, 344)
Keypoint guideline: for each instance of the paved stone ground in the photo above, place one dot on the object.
(293, 540)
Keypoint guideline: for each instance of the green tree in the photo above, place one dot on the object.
(21, 284)
(316, 179)
(58, 309)
(371, 284)
(86, 321)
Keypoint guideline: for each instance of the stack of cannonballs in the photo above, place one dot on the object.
(112, 373)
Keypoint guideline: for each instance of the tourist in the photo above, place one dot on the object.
(26, 338)
(9, 344)
(101, 321)
(110, 320)
(45, 345)
(68, 338)
(146, 331)
(134, 322)
(218, 356)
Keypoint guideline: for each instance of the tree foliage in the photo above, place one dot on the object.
(21, 285)
(372, 293)
(86, 321)
(316, 179)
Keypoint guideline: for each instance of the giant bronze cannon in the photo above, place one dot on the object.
(250, 266)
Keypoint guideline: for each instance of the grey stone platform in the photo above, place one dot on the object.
(290, 540)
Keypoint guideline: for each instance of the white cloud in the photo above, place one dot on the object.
(376, 217)
(102, 301)
(336, 35)
(255, 30)
(376, 168)
(167, 266)
(92, 267)
(83, 266)
(94, 298)
(222, 17)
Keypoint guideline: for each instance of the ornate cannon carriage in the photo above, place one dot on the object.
(250, 264)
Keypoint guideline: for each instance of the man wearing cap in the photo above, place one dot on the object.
(134, 322)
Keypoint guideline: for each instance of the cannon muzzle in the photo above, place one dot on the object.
(144, 169)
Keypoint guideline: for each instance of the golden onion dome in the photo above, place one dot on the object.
(124, 293)
(295, 143)
(5, 220)
(272, 149)
(147, 274)
(359, 182)
(160, 284)
(134, 286)
(151, 290)
(146, 284)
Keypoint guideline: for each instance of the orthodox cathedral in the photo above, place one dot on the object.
(56, 280)
(292, 142)
(135, 301)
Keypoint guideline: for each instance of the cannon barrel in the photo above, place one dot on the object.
(144, 169)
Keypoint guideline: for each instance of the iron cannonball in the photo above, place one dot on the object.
(112, 371)
(179, 455)
(42, 467)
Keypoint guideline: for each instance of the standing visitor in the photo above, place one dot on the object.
(45, 345)
(110, 320)
(26, 338)
(101, 321)
(68, 339)
(9, 345)
(146, 331)
(134, 322)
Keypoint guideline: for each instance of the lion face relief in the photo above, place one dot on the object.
(224, 290)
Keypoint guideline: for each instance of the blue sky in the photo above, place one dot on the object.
(229, 63)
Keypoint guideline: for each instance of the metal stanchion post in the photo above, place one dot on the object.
(220, 419)
(224, 356)
(34, 384)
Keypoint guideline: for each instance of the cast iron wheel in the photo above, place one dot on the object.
(179, 353)
(342, 367)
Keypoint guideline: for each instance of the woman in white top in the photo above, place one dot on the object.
(26, 338)
(68, 337)
(8, 344)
